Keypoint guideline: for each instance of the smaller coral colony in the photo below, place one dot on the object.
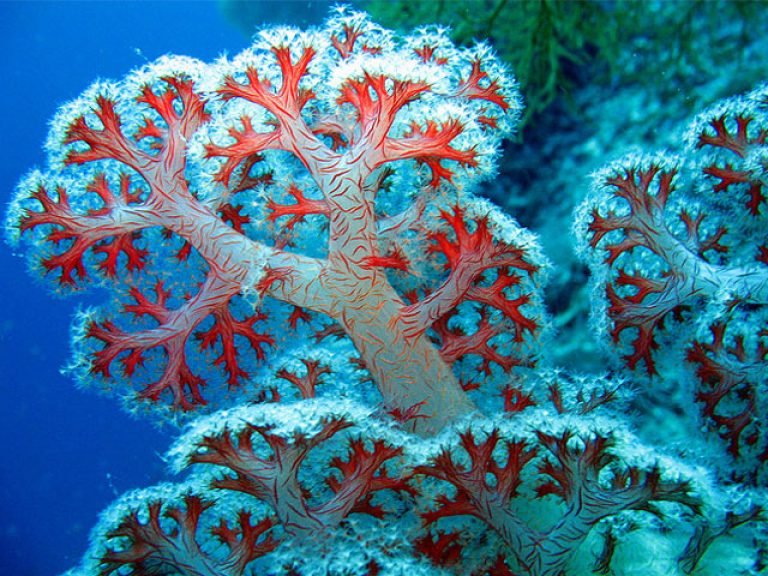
(305, 275)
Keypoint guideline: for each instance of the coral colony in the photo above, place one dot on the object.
(305, 277)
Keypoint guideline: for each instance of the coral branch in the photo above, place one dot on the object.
(153, 549)
(298, 211)
(111, 230)
(172, 333)
(467, 256)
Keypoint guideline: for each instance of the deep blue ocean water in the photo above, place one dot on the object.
(66, 453)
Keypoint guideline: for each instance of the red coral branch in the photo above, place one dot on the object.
(515, 400)
(727, 389)
(721, 136)
(149, 548)
(109, 142)
(172, 333)
(575, 477)
(653, 300)
(376, 115)
(153, 550)
(297, 212)
(180, 125)
(111, 230)
(645, 221)
(443, 550)
(362, 475)
(283, 103)
(247, 541)
(430, 145)
(472, 484)
(395, 259)
(275, 479)
(224, 329)
(456, 344)
(479, 86)
(346, 46)
(307, 383)
(247, 142)
(468, 255)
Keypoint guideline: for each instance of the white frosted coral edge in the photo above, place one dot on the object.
(303, 418)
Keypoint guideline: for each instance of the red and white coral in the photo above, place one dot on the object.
(677, 246)
(190, 162)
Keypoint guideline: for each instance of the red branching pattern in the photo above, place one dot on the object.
(581, 472)
(246, 541)
(472, 485)
(150, 549)
(309, 381)
(574, 475)
(99, 230)
(644, 310)
(479, 86)
(644, 303)
(298, 314)
(476, 250)
(724, 138)
(177, 376)
(493, 296)
(247, 143)
(443, 549)
(572, 467)
(721, 136)
(431, 145)
(646, 210)
(109, 142)
(728, 388)
(346, 47)
(596, 398)
(260, 90)
(375, 115)
(395, 259)
(427, 54)
(332, 330)
(346, 146)
(271, 277)
(174, 328)
(516, 400)
(298, 211)
(285, 104)
(631, 312)
(233, 216)
(471, 251)
(178, 124)
(410, 413)
(224, 330)
(275, 479)
(362, 474)
(456, 344)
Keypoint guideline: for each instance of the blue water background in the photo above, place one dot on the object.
(66, 453)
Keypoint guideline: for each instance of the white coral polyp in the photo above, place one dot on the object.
(304, 418)
(401, 65)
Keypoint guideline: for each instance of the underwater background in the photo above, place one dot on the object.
(68, 453)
